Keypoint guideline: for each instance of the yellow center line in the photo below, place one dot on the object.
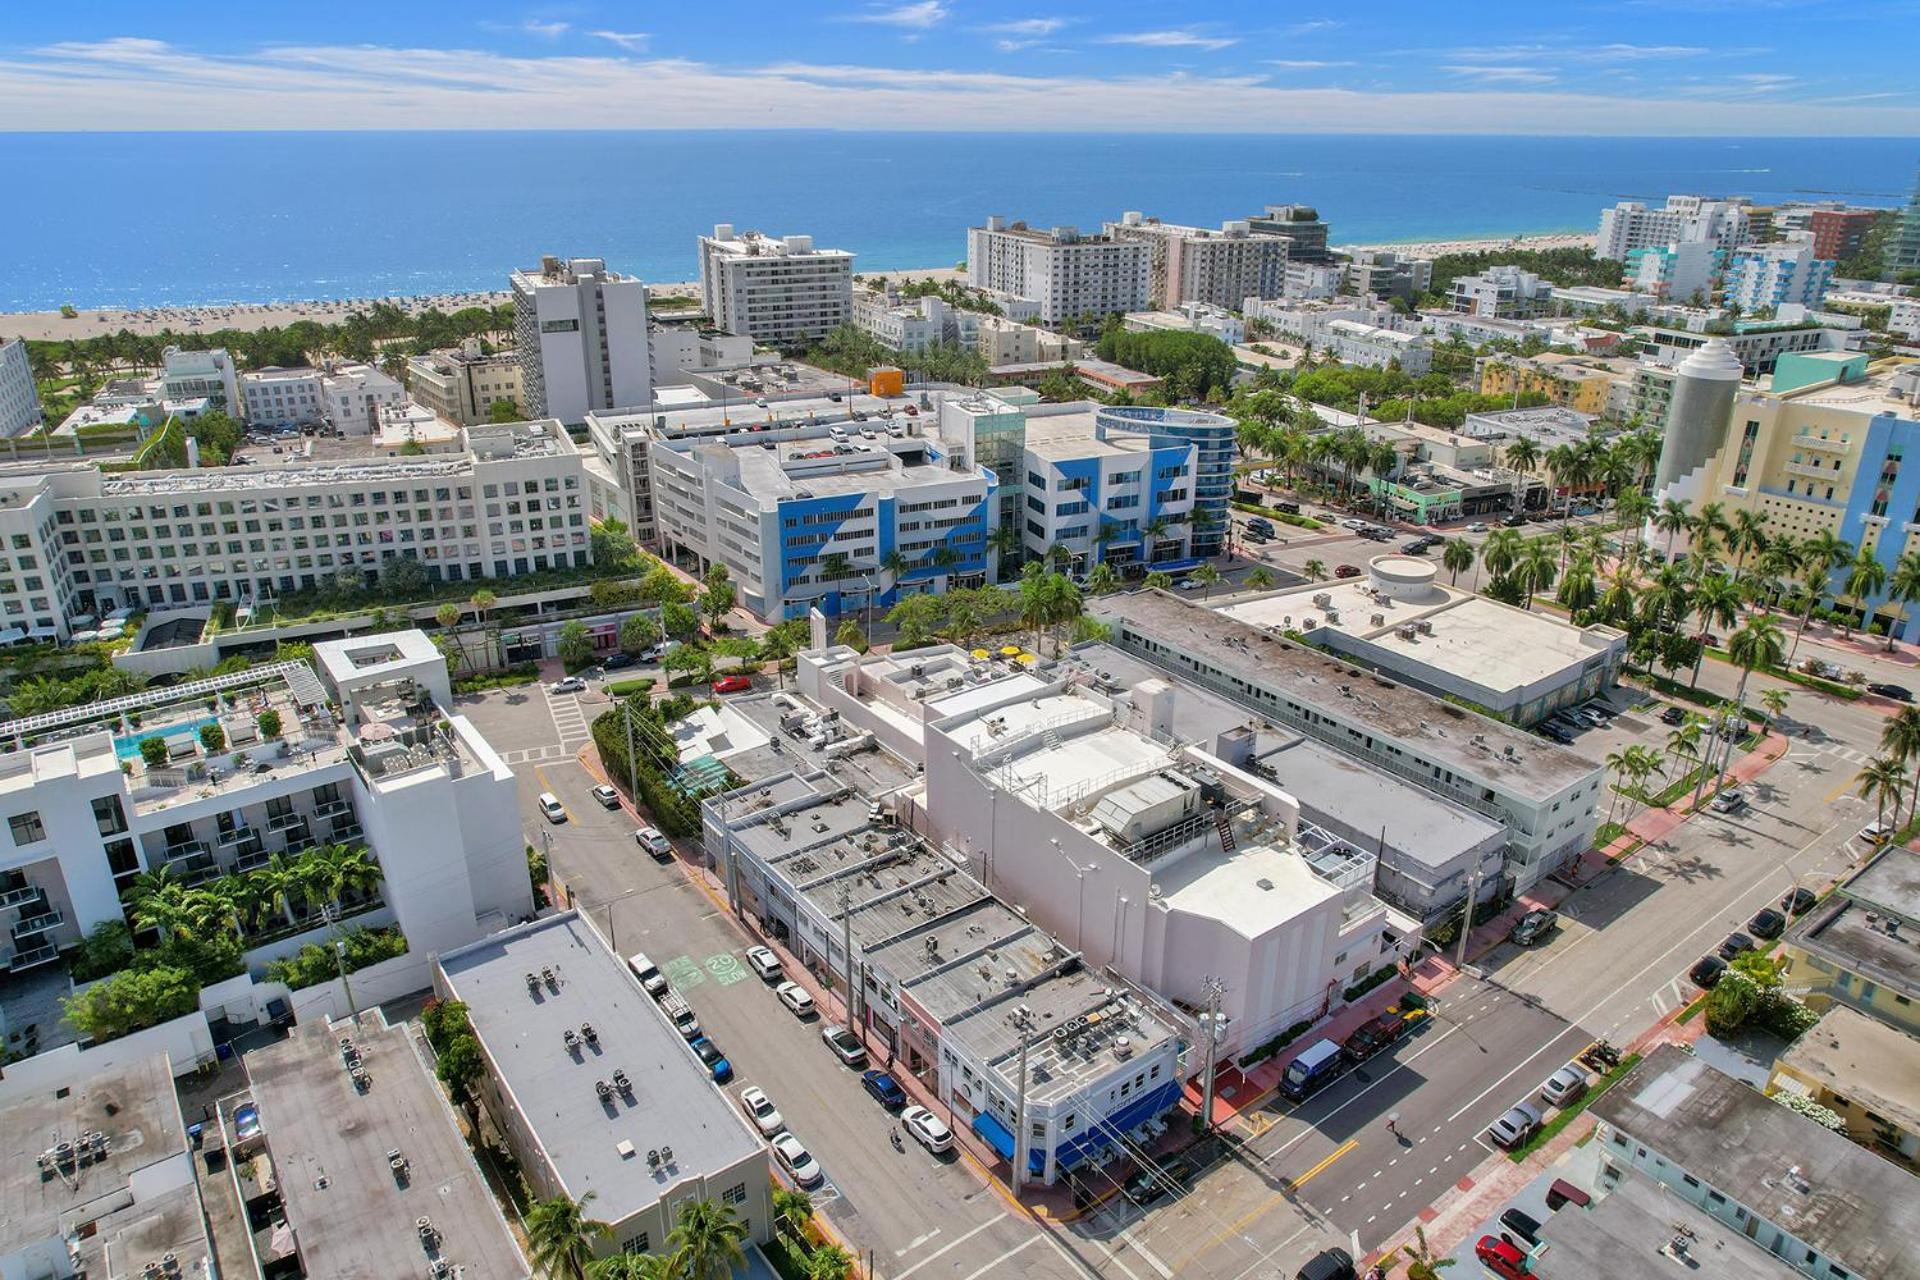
(540, 772)
(1314, 1172)
(1234, 1228)
(1845, 786)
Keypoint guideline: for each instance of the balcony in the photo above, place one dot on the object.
(19, 895)
(37, 924)
(1813, 470)
(253, 859)
(333, 808)
(1805, 441)
(32, 957)
(347, 831)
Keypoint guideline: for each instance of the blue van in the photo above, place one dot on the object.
(1318, 1063)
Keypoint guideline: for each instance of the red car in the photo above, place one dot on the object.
(732, 684)
(1346, 571)
(1502, 1258)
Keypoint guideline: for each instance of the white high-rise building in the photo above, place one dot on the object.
(19, 402)
(1631, 225)
(1200, 264)
(581, 334)
(1769, 276)
(1065, 273)
(779, 290)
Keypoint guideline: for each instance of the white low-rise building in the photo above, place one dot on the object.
(1362, 335)
(1191, 317)
(1504, 292)
(19, 398)
(913, 324)
(397, 771)
(1903, 317)
(1312, 281)
(277, 397)
(197, 375)
(355, 394)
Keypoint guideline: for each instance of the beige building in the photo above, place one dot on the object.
(1562, 379)
(1202, 264)
(461, 384)
(1004, 341)
(782, 291)
(1866, 1072)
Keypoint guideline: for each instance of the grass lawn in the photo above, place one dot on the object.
(1568, 1115)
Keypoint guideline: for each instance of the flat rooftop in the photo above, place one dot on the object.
(1472, 638)
(1864, 1060)
(1848, 1203)
(1054, 1070)
(1545, 424)
(1873, 394)
(1622, 1236)
(137, 1114)
(1250, 889)
(1432, 729)
(673, 415)
(1850, 927)
(593, 1145)
(817, 467)
(1373, 807)
(353, 1218)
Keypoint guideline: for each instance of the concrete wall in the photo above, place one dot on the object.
(376, 984)
(187, 1040)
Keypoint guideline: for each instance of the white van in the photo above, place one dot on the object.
(652, 981)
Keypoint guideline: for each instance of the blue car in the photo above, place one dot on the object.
(885, 1089)
(716, 1061)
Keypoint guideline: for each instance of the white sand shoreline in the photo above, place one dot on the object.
(96, 322)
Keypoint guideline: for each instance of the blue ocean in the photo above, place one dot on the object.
(174, 219)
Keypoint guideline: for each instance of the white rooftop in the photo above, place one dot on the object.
(1251, 890)
(718, 732)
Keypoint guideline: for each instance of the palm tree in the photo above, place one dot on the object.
(1206, 575)
(1820, 555)
(706, 1241)
(895, 565)
(792, 1210)
(1158, 581)
(1882, 781)
(1458, 556)
(1617, 763)
(1747, 534)
(1757, 645)
(630, 1266)
(834, 566)
(283, 881)
(829, 1262)
(158, 901)
(1903, 586)
(1672, 518)
(1710, 531)
(1500, 551)
(1007, 541)
(1684, 742)
(1633, 507)
(1536, 570)
(560, 1235)
(1316, 570)
(1522, 457)
(1865, 576)
(1775, 702)
(1578, 590)
(339, 871)
(1900, 739)
(1102, 578)
(1716, 600)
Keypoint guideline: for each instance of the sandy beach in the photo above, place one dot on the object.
(52, 326)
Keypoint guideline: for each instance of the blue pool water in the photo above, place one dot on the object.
(128, 748)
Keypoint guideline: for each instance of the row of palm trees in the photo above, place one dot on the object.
(288, 890)
(1894, 775)
(705, 1244)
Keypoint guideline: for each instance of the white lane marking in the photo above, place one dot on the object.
(1028, 1243)
(915, 1243)
(952, 1244)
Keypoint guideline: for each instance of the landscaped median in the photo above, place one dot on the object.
(1568, 1114)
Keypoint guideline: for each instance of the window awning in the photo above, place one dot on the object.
(997, 1134)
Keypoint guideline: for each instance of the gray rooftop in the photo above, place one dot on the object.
(1622, 1235)
(1872, 1065)
(1425, 727)
(136, 1111)
(1848, 1203)
(361, 1225)
(674, 1101)
(1054, 1070)
(1851, 927)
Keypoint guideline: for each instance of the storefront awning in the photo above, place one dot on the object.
(995, 1133)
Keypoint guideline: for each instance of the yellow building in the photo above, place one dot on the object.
(1563, 381)
(1856, 947)
(1864, 1071)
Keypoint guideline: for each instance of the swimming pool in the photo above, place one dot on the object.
(128, 748)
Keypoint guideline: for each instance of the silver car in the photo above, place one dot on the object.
(1564, 1085)
(1516, 1126)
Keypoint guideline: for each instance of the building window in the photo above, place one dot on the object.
(108, 814)
(735, 1194)
(638, 1244)
(27, 828)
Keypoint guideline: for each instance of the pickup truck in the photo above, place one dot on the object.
(1379, 1034)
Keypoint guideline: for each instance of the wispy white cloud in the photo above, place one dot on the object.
(1178, 38)
(546, 30)
(148, 84)
(918, 17)
(1305, 64)
(1027, 26)
(1308, 28)
(1501, 75)
(631, 41)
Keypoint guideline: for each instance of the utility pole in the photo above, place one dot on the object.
(846, 945)
(1215, 990)
(633, 764)
(1020, 1119)
(1466, 921)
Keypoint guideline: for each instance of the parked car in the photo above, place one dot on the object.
(797, 1161)
(1564, 1085)
(1587, 716)
(1876, 833)
(655, 843)
(1515, 1126)
(1156, 1181)
(607, 796)
(1521, 1225)
(1767, 923)
(761, 1110)
(763, 962)
(845, 1045)
(1561, 1193)
(883, 1089)
(1797, 902)
(1673, 715)
(1514, 521)
(928, 1129)
(1533, 926)
(731, 684)
(1418, 547)
(1346, 571)
(618, 660)
(1601, 709)
(1328, 1264)
(1554, 732)
(796, 998)
(652, 981)
(570, 684)
(1729, 801)
(1733, 944)
(1706, 971)
(1189, 584)
(550, 807)
(709, 1052)
(1478, 526)
(1899, 693)
(1502, 1257)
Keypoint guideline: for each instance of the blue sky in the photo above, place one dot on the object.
(1755, 67)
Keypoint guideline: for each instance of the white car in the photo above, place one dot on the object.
(571, 684)
(1353, 522)
(1476, 527)
(845, 1045)
(761, 1111)
(1876, 833)
(1728, 801)
(763, 962)
(795, 997)
(928, 1129)
(1564, 1085)
(651, 839)
(550, 807)
(607, 796)
(797, 1160)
